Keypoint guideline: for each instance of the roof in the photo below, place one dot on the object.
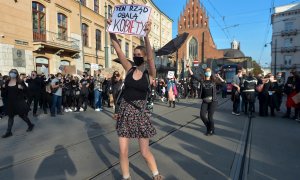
(288, 7)
(233, 53)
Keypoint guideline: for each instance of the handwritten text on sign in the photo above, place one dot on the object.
(130, 19)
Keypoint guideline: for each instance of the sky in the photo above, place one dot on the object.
(247, 21)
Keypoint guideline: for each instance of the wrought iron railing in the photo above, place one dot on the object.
(56, 39)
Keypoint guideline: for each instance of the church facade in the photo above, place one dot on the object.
(199, 45)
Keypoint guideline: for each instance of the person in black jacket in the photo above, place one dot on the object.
(208, 94)
(34, 91)
(14, 91)
(249, 85)
(289, 87)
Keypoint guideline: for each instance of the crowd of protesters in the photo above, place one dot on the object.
(269, 91)
(58, 93)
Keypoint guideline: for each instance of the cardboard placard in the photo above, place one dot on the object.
(296, 98)
(130, 19)
(171, 74)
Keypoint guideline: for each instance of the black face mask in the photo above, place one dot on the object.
(138, 60)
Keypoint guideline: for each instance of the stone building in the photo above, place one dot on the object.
(285, 43)
(53, 35)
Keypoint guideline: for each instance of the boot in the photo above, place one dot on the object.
(7, 134)
(173, 104)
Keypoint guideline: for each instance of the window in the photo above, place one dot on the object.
(109, 9)
(289, 26)
(96, 6)
(38, 21)
(83, 2)
(193, 48)
(287, 60)
(288, 42)
(87, 67)
(65, 63)
(127, 50)
(85, 35)
(62, 26)
(98, 39)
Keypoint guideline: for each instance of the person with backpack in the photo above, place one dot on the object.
(249, 86)
(133, 120)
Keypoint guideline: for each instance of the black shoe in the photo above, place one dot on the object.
(209, 132)
(286, 116)
(35, 115)
(45, 112)
(52, 115)
(6, 135)
(30, 128)
(60, 113)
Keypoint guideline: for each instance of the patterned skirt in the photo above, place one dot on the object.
(132, 123)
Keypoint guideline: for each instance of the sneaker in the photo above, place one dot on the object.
(233, 113)
(70, 110)
(81, 109)
(97, 109)
(66, 110)
(237, 114)
(298, 120)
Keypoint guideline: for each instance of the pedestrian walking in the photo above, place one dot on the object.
(14, 91)
(208, 94)
(236, 93)
(133, 121)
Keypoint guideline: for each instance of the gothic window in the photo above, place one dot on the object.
(193, 48)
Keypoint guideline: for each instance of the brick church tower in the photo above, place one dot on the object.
(199, 44)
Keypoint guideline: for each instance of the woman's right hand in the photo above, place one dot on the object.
(109, 20)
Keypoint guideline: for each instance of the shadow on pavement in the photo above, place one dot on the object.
(57, 165)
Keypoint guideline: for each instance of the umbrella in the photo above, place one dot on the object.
(173, 45)
(117, 60)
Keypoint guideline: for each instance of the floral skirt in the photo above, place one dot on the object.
(132, 123)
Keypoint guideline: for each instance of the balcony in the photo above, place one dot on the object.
(291, 32)
(56, 42)
(288, 49)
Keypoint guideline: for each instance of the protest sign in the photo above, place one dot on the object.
(130, 19)
(171, 74)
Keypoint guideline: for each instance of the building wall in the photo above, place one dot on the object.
(286, 42)
(16, 26)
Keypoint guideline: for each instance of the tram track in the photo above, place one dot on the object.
(174, 130)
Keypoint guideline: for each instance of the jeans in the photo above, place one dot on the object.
(97, 98)
(56, 102)
(207, 113)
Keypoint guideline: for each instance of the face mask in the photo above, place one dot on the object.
(59, 78)
(138, 61)
(13, 75)
(207, 74)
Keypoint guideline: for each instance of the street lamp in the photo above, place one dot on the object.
(275, 55)
(82, 44)
(106, 39)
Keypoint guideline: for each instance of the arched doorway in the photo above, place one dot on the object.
(42, 65)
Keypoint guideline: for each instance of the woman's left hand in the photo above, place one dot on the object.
(147, 28)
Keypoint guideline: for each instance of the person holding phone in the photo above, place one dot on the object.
(208, 94)
(133, 120)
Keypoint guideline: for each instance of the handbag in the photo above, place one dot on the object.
(208, 99)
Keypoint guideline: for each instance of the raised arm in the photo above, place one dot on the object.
(190, 70)
(125, 63)
(150, 60)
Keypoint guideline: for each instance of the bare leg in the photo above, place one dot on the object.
(148, 156)
(124, 162)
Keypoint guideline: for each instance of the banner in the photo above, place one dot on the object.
(130, 19)
(171, 74)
